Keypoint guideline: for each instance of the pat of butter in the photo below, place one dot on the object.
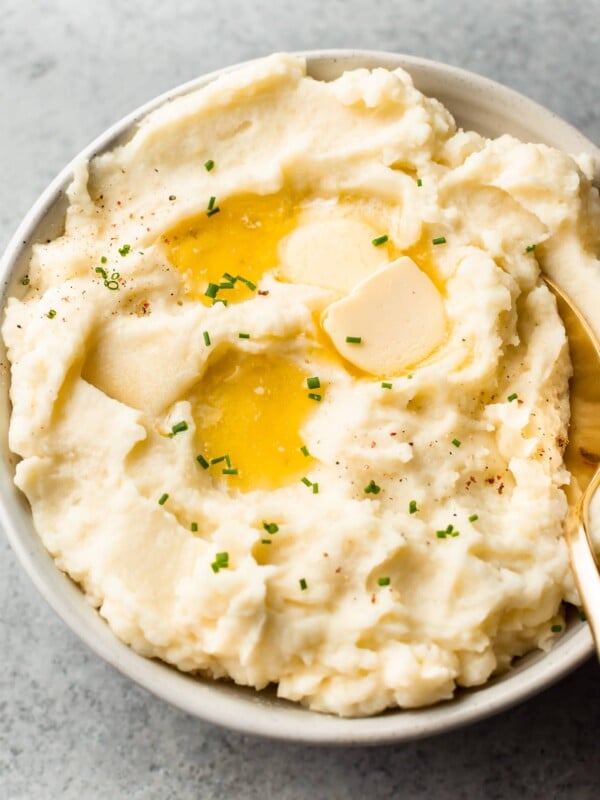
(332, 253)
(398, 314)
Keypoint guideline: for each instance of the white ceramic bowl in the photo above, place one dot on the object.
(477, 103)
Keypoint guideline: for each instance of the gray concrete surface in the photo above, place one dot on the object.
(71, 727)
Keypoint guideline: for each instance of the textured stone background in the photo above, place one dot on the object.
(70, 726)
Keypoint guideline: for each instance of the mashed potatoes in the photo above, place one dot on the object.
(290, 396)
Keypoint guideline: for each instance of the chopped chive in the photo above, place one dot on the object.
(266, 541)
(208, 165)
(512, 397)
(419, 182)
(439, 240)
(409, 377)
(124, 250)
(221, 562)
(313, 383)
(354, 339)
(473, 517)
(226, 285)
(214, 210)
(243, 335)
(180, 427)
(372, 488)
(271, 527)
(202, 461)
(386, 385)
(220, 300)
(313, 396)
(218, 460)
(112, 284)
(211, 203)
(163, 499)
(380, 240)
(172, 197)
(102, 272)
(211, 290)
(441, 534)
(412, 507)
(315, 488)
(383, 581)
(450, 528)
(206, 337)
(306, 482)
(303, 584)
(556, 628)
(194, 527)
(304, 450)
(230, 471)
(456, 442)
(229, 277)
(25, 281)
(530, 248)
(103, 260)
(249, 284)
(51, 314)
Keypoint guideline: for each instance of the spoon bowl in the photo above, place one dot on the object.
(582, 455)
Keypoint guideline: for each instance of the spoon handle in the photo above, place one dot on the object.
(587, 578)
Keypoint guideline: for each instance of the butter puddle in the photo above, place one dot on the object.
(249, 411)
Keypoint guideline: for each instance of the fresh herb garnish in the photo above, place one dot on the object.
(379, 240)
(386, 385)
(230, 471)
(194, 527)
(383, 581)
(473, 517)
(51, 314)
(303, 584)
(512, 397)
(271, 527)
(249, 284)
(530, 248)
(202, 461)
(211, 290)
(448, 532)
(313, 383)
(372, 488)
(163, 499)
(124, 250)
(456, 442)
(221, 562)
(206, 338)
(412, 507)
(304, 450)
(243, 335)
(180, 427)
(208, 165)
(354, 339)
(439, 240)
(314, 396)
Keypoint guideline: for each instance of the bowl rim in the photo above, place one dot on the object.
(217, 702)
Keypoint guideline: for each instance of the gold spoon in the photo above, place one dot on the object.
(582, 456)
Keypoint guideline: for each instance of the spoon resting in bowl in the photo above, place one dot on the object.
(582, 455)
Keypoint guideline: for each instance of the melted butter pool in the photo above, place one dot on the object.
(251, 408)
(241, 239)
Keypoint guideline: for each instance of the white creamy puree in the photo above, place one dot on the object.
(430, 553)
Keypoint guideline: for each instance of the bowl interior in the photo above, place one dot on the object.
(476, 103)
